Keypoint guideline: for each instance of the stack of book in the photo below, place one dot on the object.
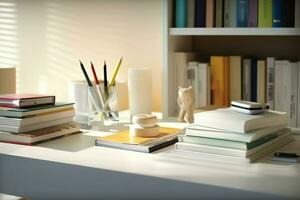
(29, 118)
(236, 13)
(236, 136)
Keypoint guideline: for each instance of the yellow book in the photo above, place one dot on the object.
(123, 140)
(219, 80)
(261, 81)
(235, 64)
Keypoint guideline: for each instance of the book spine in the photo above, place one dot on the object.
(230, 13)
(278, 86)
(252, 19)
(253, 80)
(180, 13)
(297, 13)
(270, 82)
(264, 13)
(219, 13)
(242, 13)
(293, 96)
(200, 13)
(209, 13)
(261, 81)
(203, 84)
(191, 13)
(226, 81)
(288, 13)
(277, 13)
(235, 78)
(193, 80)
(298, 97)
(246, 80)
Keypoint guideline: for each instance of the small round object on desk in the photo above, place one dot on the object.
(144, 120)
(136, 130)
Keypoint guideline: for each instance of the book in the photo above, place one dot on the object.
(24, 112)
(224, 157)
(229, 13)
(253, 75)
(242, 7)
(297, 14)
(230, 120)
(226, 143)
(235, 78)
(123, 140)
(209, 19)
(277, 13)
(279, 87)
(25, 100)
(219, 80)
(246, 80)
(204, 85)
(35, 119)
(252, 13)
(193, 80)
(235, 152)
(180, 13)
(219, 13)
(298, 98)
(261, 81)
(270, 82)
(200, 13)
(202, 131)
(190, 13)
(32, 137)
(264, 13)
(289, 13)
(33, 127)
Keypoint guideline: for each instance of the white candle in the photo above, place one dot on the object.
(140, 90)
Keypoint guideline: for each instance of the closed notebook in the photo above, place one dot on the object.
(123, 140)
(25, 100)
(230, 120)
(219, 80)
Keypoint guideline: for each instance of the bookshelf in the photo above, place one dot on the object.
(282, 43)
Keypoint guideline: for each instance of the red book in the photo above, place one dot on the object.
(25, 100)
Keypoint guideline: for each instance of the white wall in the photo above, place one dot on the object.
(49, 37)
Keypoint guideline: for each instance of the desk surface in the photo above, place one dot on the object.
(262, 177)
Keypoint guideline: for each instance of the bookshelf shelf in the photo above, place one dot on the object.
(234, 31)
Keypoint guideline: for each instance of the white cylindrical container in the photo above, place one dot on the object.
(140, 90)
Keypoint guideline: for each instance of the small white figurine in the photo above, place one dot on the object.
(185, 103)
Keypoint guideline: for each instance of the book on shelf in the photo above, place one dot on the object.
(253, 80)
(246, 80)
(261, 81)
(270, 82)
(206, 132)
(298, 98)
(219, 13)
(38, 118)
(297, 14)
(190, 13)
(24, 112)
(180, 13)
(36, 136)
(264, 13)
(219, 80)
(229, 13)
(200, 13)
(209, 16)
(193, 80)
(123, 140)
(239, 122)
(252, 13)
(242, 7)
(283, 13)
(227, 143)
(25, 100)
(235, 78)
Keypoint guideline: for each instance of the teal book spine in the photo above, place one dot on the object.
(180, 13)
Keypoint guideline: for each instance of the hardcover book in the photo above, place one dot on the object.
(242, 13)
(264, 13)
(180, 13)
(209, 19)
(235, 78)
(200, 13)
(252, 17)
(230, 13)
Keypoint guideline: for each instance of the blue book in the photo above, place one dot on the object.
(253, 80)
(277, 13)
(180, 13)
(242, 13)
(200, 7)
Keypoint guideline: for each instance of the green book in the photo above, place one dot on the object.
(264, 13)
(219, 13)
(24, 112)
(226, 143)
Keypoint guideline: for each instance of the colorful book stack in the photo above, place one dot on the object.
(236, 13)
(235, 136)
(30, 118)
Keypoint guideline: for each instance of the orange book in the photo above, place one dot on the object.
(219, 80)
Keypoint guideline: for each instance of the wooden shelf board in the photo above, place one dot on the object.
(235, 31)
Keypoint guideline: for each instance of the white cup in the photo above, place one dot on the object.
(140, 90)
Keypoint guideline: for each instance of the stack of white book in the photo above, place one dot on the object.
(235, 135)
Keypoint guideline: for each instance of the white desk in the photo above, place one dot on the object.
(72, 167)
